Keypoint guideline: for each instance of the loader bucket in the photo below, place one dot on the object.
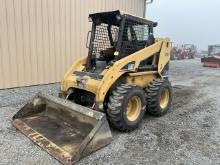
(64, 129)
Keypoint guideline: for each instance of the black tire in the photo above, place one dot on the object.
(117, 107)
(155, 91)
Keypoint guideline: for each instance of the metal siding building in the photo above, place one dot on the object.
(39, 39)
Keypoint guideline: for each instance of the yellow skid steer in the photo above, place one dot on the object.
(124, 75)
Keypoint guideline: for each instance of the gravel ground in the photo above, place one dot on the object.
(188, 134)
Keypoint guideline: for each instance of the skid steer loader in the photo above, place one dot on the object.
(124, 75)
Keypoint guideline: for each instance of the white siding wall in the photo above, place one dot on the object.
(39, 39)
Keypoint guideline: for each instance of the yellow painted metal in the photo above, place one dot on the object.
(68, 80)
(164, 55)
(133, 108)
(141, 79)
(164, 98)
(114, 72)
(160, 51)
(78, 65)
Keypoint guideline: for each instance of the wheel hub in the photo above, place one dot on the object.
(164, 98)
(133, 108)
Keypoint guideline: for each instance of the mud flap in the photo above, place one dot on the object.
(65, 130)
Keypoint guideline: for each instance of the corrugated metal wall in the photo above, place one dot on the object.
(39, 39)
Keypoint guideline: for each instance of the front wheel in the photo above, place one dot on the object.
(126, 107)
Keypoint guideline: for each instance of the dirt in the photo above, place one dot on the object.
(188, 134)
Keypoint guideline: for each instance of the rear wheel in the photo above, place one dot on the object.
(159, 97)
(126, 107)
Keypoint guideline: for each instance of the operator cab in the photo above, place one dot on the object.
(115, 36)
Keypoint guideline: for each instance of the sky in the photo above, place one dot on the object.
(187, 21)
